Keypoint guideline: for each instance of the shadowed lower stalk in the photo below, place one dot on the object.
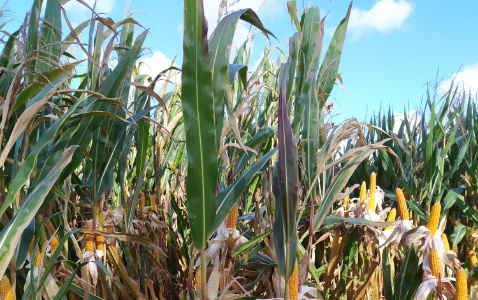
(203, 275)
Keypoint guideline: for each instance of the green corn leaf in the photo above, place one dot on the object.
(10, 235)
(330, 64)
(198, 113)
(404, 280)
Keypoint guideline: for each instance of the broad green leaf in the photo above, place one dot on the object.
(198, 114)
(10, 235)
(248, 245)
(404, 279)
(330, 64)
(458, 234)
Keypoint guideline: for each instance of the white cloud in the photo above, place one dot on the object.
(75, 10)
(384, 16)
(466, 79)
(156, 63)
(412, 117)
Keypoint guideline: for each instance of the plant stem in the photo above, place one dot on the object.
(203, 275)
(287, 267)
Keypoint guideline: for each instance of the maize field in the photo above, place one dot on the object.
(232, 183)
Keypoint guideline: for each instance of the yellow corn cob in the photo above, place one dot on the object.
(31, 248)
(6, 289)
(37, 259)
(371, 203)
(473, 258)
(294, 284)
(142, 202)
(402, 205)
(152, 202)
(435, 264)
(391, 217)
(89, 238)
(445, 242)
(460, 285)
(363, 192)
(231, 221)
(98, 211)
(434, 218)
(197, 280)
(373, 182)
(99, 240)
(54, 244)
(346, 201)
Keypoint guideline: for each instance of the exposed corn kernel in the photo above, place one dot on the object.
(6, 289)
(373, 182)
(37, 260)
(231, 221)
(402, 205)
(346, 201)
(363, 192)
(142, 202)
(198, 279)
(445, 242)
(152, 202)
(99, 240)
(435, 264)
(371, 203)
(54, 244)
(473, 258)
(434, 218)
(391, 217)
(461, 285)
(89, 238)
(294, 284)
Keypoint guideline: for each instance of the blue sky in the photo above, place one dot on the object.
(392, 50)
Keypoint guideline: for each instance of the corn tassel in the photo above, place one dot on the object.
(391, 217)
(435, 264)
(6, 289)
(445, 242)
(473, 259)
(294, 284)
(434, 218)
(402, 205)
(461, 285)
(54, 244)
(231, 221)
(363, 192)
(89, 238)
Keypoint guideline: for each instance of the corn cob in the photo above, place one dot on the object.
(460, 285)
(231, 221)
(152, 202)
(373, 182)
(402, 205)
(371, 203)
(98, 211)
(434, 218)
(346, 201)
(294, 284)
(198, 280)
(391, 217)
(142, 202)
(89, 238)
(99, 240)
(31, 248)
(363, 192)
(54, 244)
(37, 259)
(473, 258)
(445, 242)
(6, 289)
(435, 264)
